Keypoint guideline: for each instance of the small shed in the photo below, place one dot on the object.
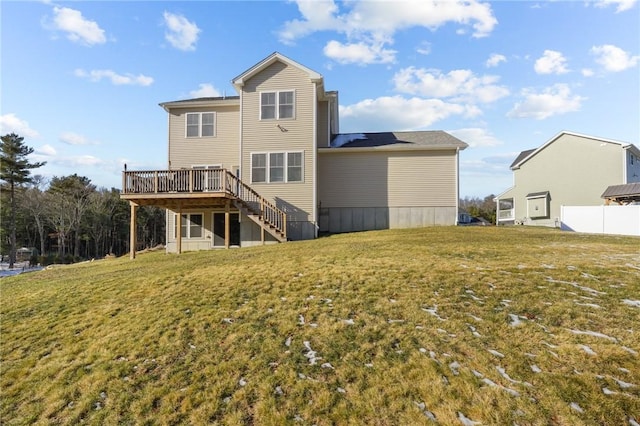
(622, 194)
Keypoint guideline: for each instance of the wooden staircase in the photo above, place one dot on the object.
(257, 208)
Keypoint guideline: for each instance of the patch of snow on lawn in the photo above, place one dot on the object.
(465, 420)
(630, 302)
(496, 353)
(574, 406)
(535, 369)
(311, 355)
(587, 349)
(594, 334)
(434, 311)
(515, 320)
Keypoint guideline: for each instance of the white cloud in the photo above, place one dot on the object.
(205, 90)
(476, 137)
(553, 100)
(551, 62)
(358, 53)
(494, 60)
(79, 161)
(398, 113)
(71, 138)
(78, 29)
(115, 78)
(10, 123)
(586, 72)
(621, 5)
(46, 150)
(612, 58)
(373, 23)
(460, 85)
(424, 48)
(181, 33)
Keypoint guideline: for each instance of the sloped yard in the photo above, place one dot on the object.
(447, 325)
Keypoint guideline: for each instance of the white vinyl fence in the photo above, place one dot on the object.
(618, 220)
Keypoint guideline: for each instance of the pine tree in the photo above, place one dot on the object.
(15, 171)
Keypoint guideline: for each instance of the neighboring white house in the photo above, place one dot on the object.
(270, 165)
(570, 169)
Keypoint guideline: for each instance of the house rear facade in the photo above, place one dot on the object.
(570, 169)
(270, 165)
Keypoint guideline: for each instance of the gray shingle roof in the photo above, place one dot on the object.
(418, 139)
(629, 191)
(521, 156)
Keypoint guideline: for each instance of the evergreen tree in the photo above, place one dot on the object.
(14, 171)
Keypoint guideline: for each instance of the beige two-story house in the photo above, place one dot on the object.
(270, 165)
(570, 169)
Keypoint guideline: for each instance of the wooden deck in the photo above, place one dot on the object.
(178, 190)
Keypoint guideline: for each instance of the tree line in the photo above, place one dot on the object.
(67, 218)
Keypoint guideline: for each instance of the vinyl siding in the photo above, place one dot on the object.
(295, 135)
(574, 169)
(220, 149)
(387, 179)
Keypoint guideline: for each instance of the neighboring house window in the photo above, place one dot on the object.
(277, 105)
(276, 167)
(200, 124)
(191, 226)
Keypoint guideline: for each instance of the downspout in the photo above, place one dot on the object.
(315, 162)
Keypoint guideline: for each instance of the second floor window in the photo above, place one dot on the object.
(277, 105)
(277, 167)
(200, 124)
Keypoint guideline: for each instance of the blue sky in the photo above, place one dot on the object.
(81, 81)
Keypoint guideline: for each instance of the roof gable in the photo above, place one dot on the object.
(525, 156)
(240, 80)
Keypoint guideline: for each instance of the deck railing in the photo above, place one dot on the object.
(189, 181)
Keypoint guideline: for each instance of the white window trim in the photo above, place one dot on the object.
(268, 166)
(188, 236)
(277, 112)
(215, 124)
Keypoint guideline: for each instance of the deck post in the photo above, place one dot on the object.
(179, 230)
(226, 225)
(132, 231)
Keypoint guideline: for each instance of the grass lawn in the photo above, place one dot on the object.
(454, 325)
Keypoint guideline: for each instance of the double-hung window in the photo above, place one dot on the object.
(294, 167)
(277, 167)
(277, 105)
(200, 124)
(190, 226)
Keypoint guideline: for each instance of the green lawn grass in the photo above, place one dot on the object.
(491, 325)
